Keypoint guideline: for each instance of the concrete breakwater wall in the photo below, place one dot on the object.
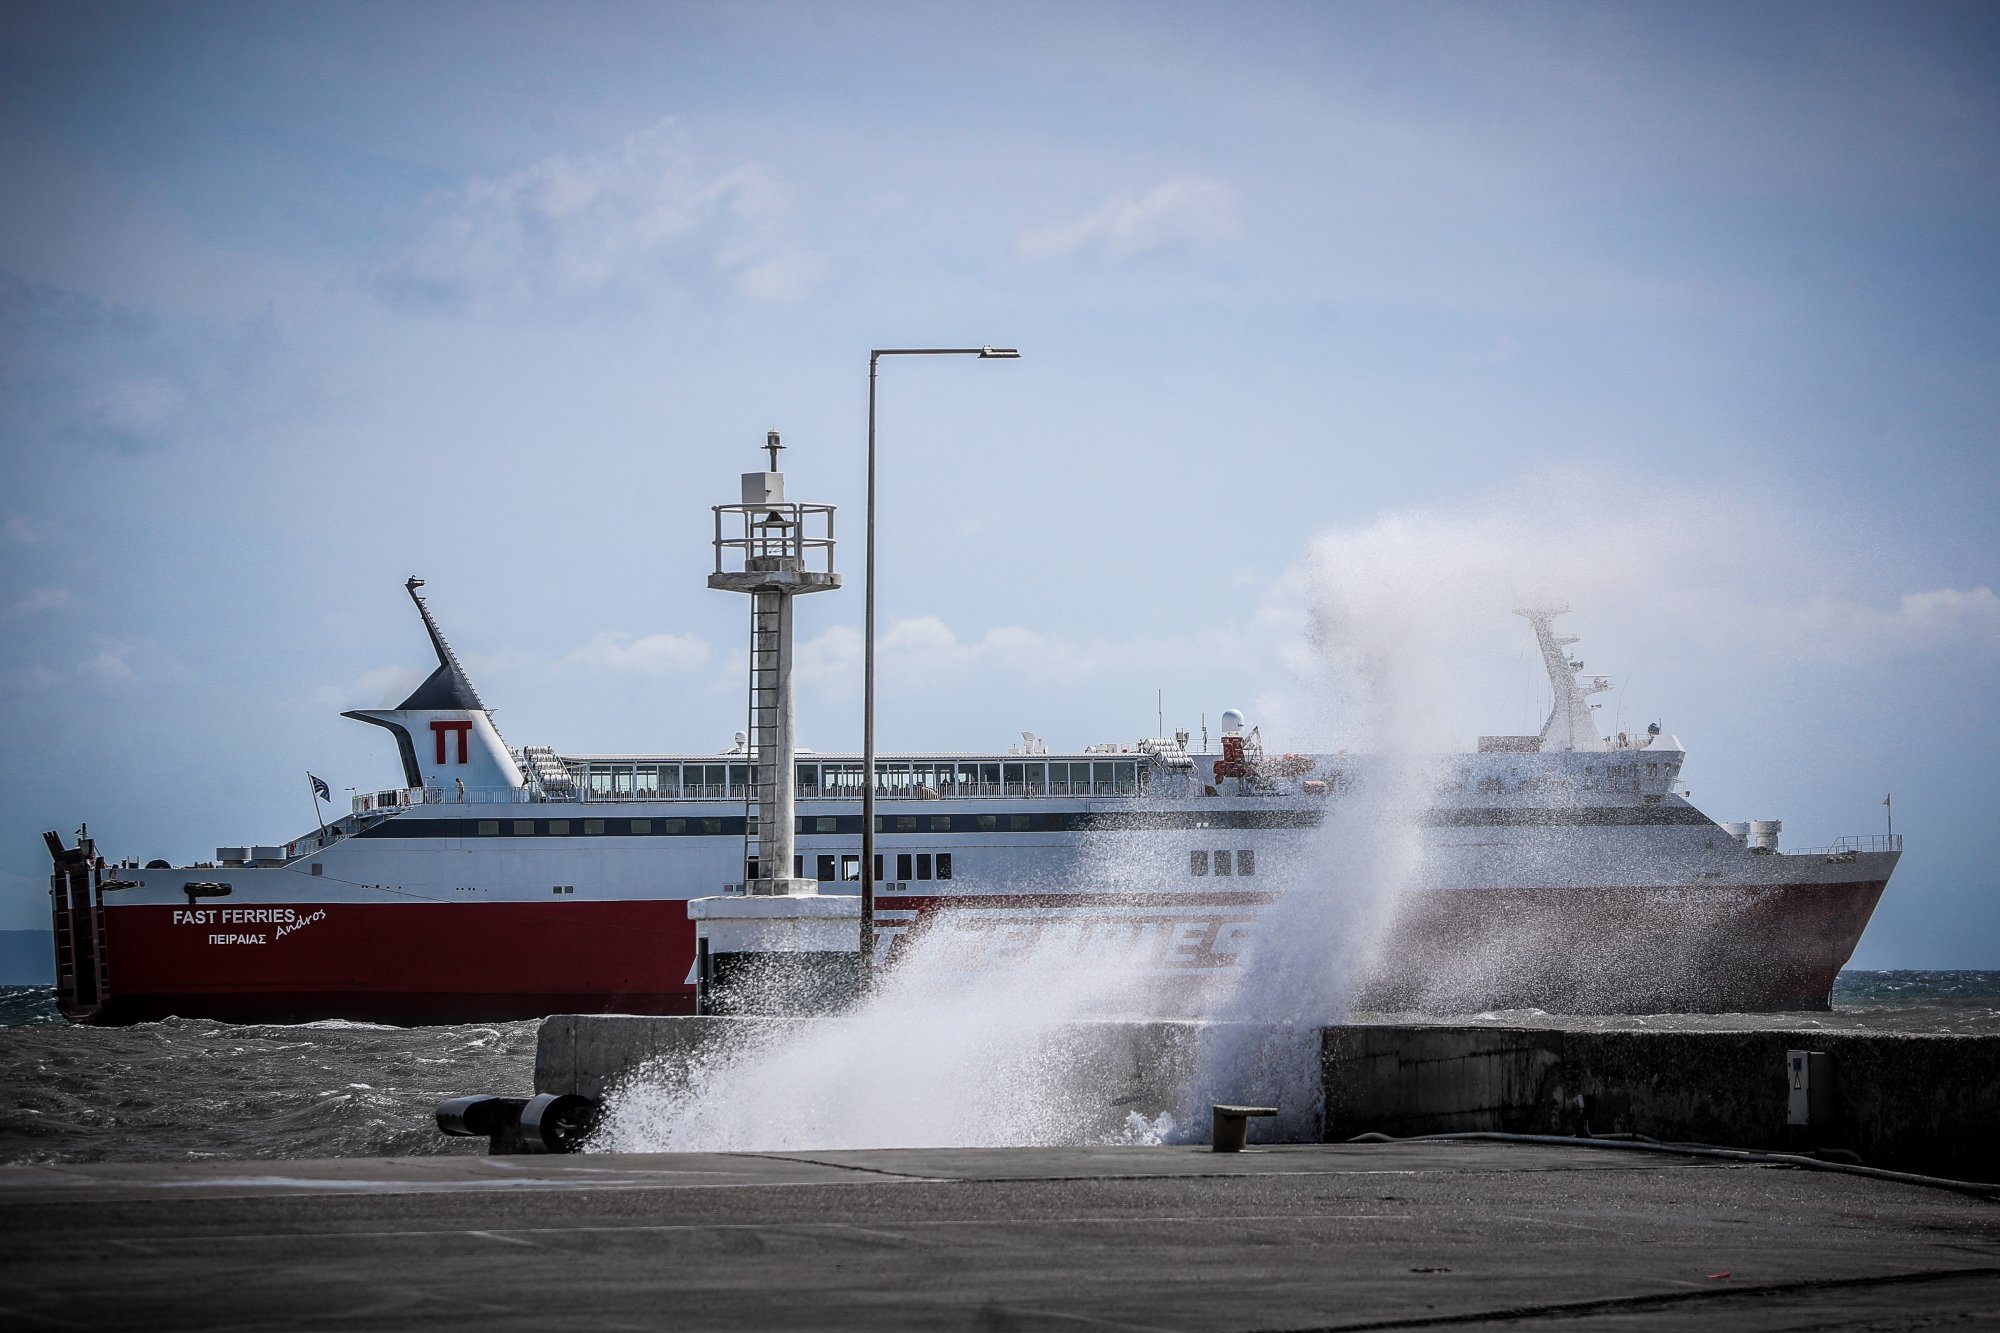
(1928, 1103)
(1914, 1102)
(1093, 1075)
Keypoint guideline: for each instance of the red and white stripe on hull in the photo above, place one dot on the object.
(1626, 949)
(1745, 949)
(1578, 950)
(393, 963)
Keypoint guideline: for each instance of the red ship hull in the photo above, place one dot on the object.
(1570, 950)
(415, 963)
(1573, 949)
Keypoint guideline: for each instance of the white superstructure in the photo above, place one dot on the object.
(1566, 868)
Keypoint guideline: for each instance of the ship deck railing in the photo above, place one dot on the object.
(383, 801)
(1863, 842)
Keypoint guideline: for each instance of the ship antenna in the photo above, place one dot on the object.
(446, 657)
(771, 444)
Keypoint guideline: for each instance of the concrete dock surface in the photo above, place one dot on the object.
(1404, 1235)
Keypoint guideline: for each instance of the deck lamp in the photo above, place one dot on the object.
(866, 963)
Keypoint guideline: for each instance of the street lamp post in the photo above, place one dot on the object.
(867, 959)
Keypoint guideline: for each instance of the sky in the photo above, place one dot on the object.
(1342, 324)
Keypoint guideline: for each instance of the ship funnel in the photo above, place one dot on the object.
(444, 734)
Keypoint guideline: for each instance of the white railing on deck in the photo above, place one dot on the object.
(1863, 842)
(401, 799)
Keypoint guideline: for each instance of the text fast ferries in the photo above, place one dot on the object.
(1563, 870)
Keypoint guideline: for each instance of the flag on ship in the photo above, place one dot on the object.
(320, 789)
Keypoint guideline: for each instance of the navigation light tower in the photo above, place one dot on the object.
(767, 546)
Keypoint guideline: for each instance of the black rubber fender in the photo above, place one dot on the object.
(558, 1121)
(478, 1116)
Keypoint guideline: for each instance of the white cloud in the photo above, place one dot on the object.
(650, 655)
(140, 408)
(42, 599)
(1190, 211)
(81, 371)
(383, 687)
(1396, 629)
(923, 652)
(1919, 622)
(651, 212)
(109, 666)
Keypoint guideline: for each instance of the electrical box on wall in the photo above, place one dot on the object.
(1813, 1094)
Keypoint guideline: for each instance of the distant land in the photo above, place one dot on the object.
(27, 958)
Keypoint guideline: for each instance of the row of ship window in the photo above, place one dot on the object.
(1040, 777)
(836, 824)
(1222, 863)
(909, 865)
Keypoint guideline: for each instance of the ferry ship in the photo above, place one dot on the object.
(1566, 871)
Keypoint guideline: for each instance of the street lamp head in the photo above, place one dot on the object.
(999, 354)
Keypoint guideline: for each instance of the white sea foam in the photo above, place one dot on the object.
(951, 1051)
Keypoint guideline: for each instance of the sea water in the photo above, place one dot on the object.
(184, 1089)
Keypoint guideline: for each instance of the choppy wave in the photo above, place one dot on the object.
(190, 1088)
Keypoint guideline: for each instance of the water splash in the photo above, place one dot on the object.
(959, 1048)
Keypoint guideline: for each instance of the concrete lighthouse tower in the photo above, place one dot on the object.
(779, 946)
(766, 547)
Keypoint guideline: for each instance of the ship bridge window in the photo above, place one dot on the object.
(1118, 778)
(642, 826)
(940, 823)
(1017, 823)
(593, 827)
(808, 780)
(944, 865)
(1197, 863)
(646, 780)
(825, 868)
(1025, 779)
(524, 828)
(986, 823)
(841, 779)
(489, 828)
(558, 828)
(1246, 863)
(1222, 863)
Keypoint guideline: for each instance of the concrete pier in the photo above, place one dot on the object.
(1905, 1101)
(1314, 1237)
(1119, 1067)
(1909, 1102)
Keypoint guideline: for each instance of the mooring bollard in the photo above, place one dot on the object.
(1230, 1125)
